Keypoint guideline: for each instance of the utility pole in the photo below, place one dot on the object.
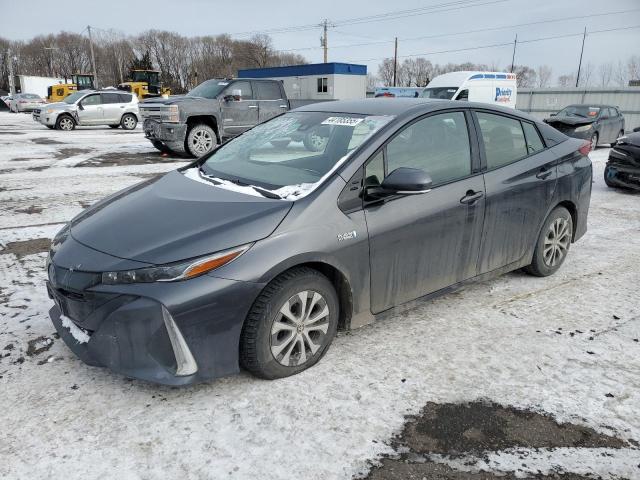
(584, 36)
(395, 62)
(323, 40)
(513, 58)
(93, 58)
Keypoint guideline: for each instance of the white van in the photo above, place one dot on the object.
(487, 87)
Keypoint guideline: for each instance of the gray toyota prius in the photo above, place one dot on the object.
(256, 254)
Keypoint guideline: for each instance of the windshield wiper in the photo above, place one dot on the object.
(263, 191)
(266, 193)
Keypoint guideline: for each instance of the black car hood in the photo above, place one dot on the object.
(173, 218)
(631, 139)
(569, 120)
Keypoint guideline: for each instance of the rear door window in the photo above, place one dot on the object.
(267, 91)
(110, 98)
(534, 143)
(503, 139)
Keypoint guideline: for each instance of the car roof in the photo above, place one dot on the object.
(399, 106)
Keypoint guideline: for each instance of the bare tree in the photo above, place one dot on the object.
(372, 81)
(385, 71)
(586, 74)
(605, 73)
(544, 76)
(525, 76)
(567, 80)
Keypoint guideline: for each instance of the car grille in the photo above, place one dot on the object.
(36, 110)
(156, 113)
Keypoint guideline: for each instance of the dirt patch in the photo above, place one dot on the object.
(46, 141)
(85, 204)
(475, 429)
(31, 210)
(11, 133)
(70, 152)
(116, 159)
(38, 169)
(27, 247)
(39, 345)
(23, 159)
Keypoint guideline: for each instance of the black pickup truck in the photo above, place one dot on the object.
(212, 112)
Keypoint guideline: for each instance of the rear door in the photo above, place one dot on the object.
(271, 99)
(91, 112)
(520, 179)
(422, 243)
(112, 107)
(239, 108)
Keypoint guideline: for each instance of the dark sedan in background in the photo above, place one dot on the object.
(255, 254)
(623, 166)
(599, 124)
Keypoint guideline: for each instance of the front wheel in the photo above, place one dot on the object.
(553, 243)
(201, 139)
(290, 325)
(66, 123)
(129, 121)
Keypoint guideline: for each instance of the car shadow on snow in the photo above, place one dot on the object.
(471, 431)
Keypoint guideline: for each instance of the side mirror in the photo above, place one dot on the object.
(80, 106)
(236, 95)
(404, 181)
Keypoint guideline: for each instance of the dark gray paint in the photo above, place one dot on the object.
(406, 247)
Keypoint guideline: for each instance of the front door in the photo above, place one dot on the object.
(520, 182)
(422, 243)
(239, 108)
(91, 112)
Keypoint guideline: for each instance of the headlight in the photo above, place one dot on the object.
(583, 128)
(172, 114)
(176, 271)
(49, 110)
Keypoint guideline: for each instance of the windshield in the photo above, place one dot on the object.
(208, 89)
(441, 93)
(74, 97)
(579, 111)
(291, 153)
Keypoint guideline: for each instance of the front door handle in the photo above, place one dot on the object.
(543, 173)
(253, 106)
(471, 197)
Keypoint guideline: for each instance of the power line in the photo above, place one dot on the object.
(465, 32)
(479, 47)
(436, 8)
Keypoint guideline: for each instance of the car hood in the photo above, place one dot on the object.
(172, 100)
(59, 106)
(631, 139)
(173, 218)
(569, 120)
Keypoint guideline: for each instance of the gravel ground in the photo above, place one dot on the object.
(519, 376)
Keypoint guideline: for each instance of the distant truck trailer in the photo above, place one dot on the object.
(35, 84)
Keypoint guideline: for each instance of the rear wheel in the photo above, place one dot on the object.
(594, 141)
(129, 121)
(66, 123)
(201, 139)
(290, 325)
(553, 243)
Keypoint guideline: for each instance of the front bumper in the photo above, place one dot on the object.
(170, 135)
(128, 330)
(40, 116)
(623, 176)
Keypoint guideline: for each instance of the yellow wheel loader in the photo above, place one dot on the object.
(60, 91)
(145, 84)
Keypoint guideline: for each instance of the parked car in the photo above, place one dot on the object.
(212, 112)
(623, 166)
(25, 102)
(270, 250)
(597, 123)
(91, 107)
(498, 88)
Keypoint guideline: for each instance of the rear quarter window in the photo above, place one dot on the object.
(534, 142)
(125, 98)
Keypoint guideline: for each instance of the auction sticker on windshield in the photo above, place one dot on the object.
(344, 121)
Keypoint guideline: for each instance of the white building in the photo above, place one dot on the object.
(316, 81)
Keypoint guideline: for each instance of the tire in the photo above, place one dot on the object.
(66, 123)
(160, 146)
(128, 121)
(114, 126)
(266, 324)
(620, 134)
(594, 141)
(553, 243)
(201, 139)
(314, 142)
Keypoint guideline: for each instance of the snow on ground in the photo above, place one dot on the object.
(566, 345)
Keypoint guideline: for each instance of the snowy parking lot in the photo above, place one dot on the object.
(519, 376)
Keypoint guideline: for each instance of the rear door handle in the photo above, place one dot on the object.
(283, 106)
(543, 173)
(253, 106)
(471, 197)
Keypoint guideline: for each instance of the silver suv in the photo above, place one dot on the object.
(91, 107)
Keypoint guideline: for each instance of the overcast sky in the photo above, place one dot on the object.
(208, 17)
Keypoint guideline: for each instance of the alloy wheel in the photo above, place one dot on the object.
(201, 142)
(129, 123)
(299, 328)
(66, 124)
(556, 242)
